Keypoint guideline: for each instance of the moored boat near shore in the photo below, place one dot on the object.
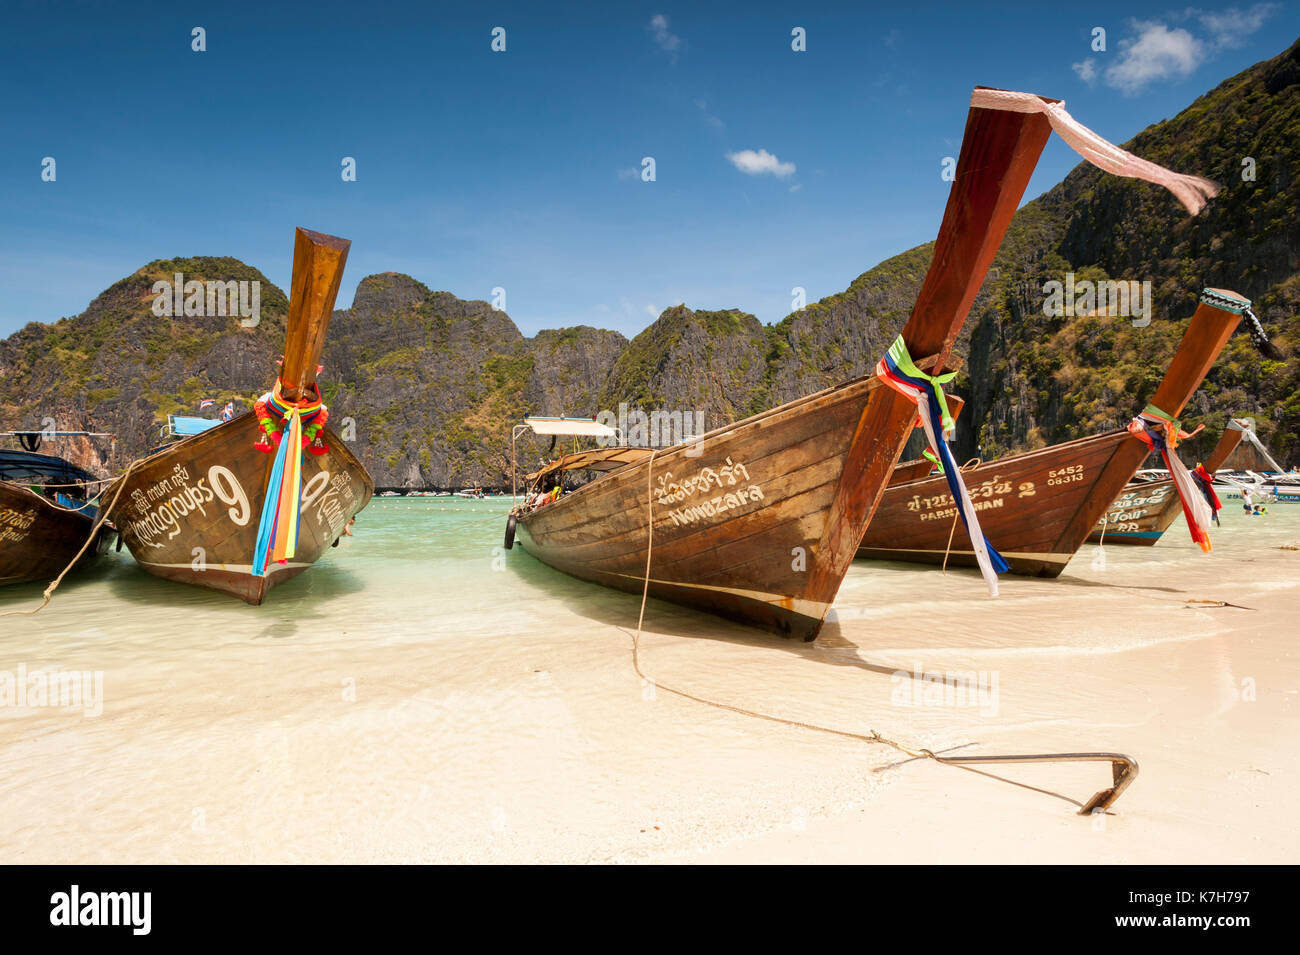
(1038, 508)
(257, 500)
(48, 510)
(758, 521)
(1253, 470)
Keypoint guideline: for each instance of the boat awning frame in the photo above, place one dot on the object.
(601, 460)
(569, 427)
(554, 428)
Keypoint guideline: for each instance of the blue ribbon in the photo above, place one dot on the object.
(270, 508)
(951, 473)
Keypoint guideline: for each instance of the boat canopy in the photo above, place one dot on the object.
(24, 467)
(600, 460)
(575, 427)
(182, 426)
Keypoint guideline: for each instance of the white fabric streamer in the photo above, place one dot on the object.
(1192, 191)
(972, 519)
(1202, 513)
(1251, 438)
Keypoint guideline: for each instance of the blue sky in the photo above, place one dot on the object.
(522, 169)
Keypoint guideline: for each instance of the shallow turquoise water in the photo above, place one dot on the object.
(421, 568)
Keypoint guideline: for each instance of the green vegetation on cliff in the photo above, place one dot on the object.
(434, 383)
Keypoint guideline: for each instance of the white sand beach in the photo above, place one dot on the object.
(422, 696)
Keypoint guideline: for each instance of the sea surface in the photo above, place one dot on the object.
(421, 694)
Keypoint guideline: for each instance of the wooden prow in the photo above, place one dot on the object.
(1204, 339)
(1232, 435)
(318, 261)
(998, 153)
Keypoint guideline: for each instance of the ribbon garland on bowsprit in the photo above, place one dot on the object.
(1161, 432)
(899, 372)
(289, 429)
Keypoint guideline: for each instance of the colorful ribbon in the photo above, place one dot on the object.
(1205, 481)
(899, 372)
(929, 456)
(272, 410)
(298, 425)
(1161, 432)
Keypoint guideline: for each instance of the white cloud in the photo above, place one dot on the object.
(796, 187)
(629, 173)
(652, 311)
(1231, 27)
(1158, 53)
(665, 39)
(760, 163)
(1087, 70)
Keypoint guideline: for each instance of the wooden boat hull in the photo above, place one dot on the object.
(38, 539)
(190, 512)
(1140, 515)
(1037, 508)
(747, 522)
(1029, 508)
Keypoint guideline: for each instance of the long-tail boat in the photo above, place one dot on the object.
(48, 510)
(1146, 509)
(758, 521)
(255, 500)
(1038, 508)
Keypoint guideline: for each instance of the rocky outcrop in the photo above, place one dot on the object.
(430, 385)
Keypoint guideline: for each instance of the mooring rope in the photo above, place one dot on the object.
(969, 465)
(916, 752)
(94, 532)
(872, 736)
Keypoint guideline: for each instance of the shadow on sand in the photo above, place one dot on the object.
(614, 608)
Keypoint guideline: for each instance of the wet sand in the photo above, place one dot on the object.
(423, 696)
